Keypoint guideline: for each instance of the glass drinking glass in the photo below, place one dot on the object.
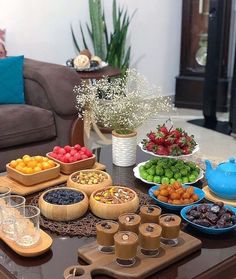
(4, 191)
(26, 226)
(105, 235)
(10, 207)
(170, 224)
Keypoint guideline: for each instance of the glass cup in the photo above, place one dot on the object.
(105, 235)
(170, 224)
(150, 214)
(10, 208)
(149, 239)
(129, 222)
(4, 191)
(26, 226)
(126, 244)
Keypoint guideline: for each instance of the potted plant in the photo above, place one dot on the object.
(129, 101)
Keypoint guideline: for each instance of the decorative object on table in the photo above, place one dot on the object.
(146, 265)
(89, 180)
(63, 204)
(85, 62)
(20, 189)
(112, 47)
(123, 105)
(214, 218)
(32, 170)
(169, 198)
(169, 142)
(72, 158)
(168, 170)
(82, 227)
(111, 202)
(222, 179)
(210, 196)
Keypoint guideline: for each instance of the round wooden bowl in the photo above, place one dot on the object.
(113, 211)
(89, 188)
(63, 212)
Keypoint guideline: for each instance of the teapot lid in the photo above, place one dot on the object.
(229, 166)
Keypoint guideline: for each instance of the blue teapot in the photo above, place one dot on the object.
(222, 179)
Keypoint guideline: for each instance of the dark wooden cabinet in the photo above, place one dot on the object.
(194, 47)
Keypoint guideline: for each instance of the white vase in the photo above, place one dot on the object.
(124, 149)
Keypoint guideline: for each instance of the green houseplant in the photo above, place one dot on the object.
(111, 47)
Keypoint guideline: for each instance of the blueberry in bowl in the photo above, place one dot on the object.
(63, 204)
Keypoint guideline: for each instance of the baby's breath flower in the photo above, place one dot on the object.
(122, 104)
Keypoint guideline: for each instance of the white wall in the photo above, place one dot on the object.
(41, 30)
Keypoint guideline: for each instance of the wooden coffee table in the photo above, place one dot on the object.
(216, 259)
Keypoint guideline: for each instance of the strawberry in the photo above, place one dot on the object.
(174, 150)
(151, 146)
(176, 133)
(151, 136)
(159, 138)
(162, 150)
(182, 141)
(163, 129)
(186, 150)
(169, 140)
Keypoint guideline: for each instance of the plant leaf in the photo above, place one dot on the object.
(74, 39)
(83, 38)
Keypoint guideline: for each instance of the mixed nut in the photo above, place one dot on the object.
(213, 216)
(89, 178)
(114, 195)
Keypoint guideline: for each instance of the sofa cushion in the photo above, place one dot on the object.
(21, 124)
(11, 82)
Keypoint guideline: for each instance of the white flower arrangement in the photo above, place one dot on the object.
(121, 104)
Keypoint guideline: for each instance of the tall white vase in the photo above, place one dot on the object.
(124, 149)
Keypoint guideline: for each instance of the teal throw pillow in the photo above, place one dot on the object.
(11, 80)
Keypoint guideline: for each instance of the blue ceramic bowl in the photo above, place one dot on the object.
(197, 191)
(206, 229)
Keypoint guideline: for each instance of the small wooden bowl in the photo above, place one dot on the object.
(113, 211)
(89, 188)
(63, 212)
(69, 168)
(34, 178)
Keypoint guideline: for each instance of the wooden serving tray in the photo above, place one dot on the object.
(145, 266)
(20, 189)
(41, 247)
(209, 195)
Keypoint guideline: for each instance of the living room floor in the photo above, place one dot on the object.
(213, 145)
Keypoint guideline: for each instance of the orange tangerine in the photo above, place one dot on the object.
(37, 169)
(32, 164)
(46, 165)
(13, 163)
(38, 158)
(25, 156)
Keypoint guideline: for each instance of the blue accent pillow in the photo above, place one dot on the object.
(11, 80)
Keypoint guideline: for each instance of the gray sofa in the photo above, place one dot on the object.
(49, 116)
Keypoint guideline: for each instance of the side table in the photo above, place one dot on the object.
(93, 76)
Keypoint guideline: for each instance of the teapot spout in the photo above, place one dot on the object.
(208, 167)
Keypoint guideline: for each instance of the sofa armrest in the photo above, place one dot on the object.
(57, 82)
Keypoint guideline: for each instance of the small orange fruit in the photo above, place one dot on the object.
(13, 163)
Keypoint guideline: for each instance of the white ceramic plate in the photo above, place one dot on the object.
(102, 65)
(163, 156)
(137, 175)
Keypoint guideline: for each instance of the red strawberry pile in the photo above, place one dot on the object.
(69, 154)
(172, 142)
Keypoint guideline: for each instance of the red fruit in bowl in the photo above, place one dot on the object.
(83, 156)
(151, 146)
(83, 149)
(88, 153)
(73, 152)
(77, 147)
(60, 157)
(67, 148)
(174, 150)
(162, 150)
(62, 151)
(151, 136)
(176, 133)
(77, 156)
(53, 154)
(56, 149)
(159, 138)
(169, 140)
(163, 129)
(65, 159)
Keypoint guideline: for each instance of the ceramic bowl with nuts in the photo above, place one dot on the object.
(111, 202)
(89, 180)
